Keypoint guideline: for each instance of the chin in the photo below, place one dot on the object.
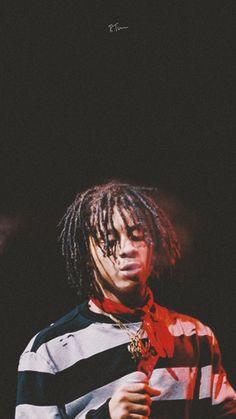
(131, 287)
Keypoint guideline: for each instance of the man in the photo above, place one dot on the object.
(120, 355)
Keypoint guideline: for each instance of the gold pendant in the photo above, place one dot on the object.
(137, 348)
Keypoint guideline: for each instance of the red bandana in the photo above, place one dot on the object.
(162, 342)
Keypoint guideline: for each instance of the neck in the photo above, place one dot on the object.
(93, 307)
(132, 300)
(117, 308)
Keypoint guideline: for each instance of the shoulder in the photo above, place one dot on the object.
(53, 349)
(69, 323)
(183, 324)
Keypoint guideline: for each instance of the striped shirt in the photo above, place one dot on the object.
(72, 368)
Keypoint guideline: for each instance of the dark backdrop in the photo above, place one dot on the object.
(151, 104)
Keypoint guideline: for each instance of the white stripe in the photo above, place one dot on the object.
(225, 391)
(66, 350)
(78, 408)
(31, 361)
(181, 388)
(189, 328)
(28, 411)
(208, 386)
(70, 348)
(206, 382)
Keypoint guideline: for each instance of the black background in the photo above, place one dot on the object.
(151, 104)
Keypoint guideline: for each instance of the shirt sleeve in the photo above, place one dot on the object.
(36, 390)
(223, 395)
(37, 394)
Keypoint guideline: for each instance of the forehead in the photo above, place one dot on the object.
(119, 219)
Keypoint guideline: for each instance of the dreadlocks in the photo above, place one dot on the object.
(90, 215)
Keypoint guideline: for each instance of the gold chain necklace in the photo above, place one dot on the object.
(137, 348)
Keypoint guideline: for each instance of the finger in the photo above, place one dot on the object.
(134, 416)
(152, 391)
(139, 409)
(142, 398)
(136, 387)
(142, 388)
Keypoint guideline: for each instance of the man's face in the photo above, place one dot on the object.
(123, 277)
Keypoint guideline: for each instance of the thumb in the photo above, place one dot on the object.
(153, 391)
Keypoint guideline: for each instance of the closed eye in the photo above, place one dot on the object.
(111, 242)
(136, 233)
(136, 238)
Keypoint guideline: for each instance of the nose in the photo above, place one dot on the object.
(127, 248)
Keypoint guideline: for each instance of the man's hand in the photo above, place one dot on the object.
(133, 401)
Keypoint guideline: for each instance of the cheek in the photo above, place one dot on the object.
(105, 265)
(108, 265)
(148, 257)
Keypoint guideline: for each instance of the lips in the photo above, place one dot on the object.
(131, 267)
(131, 270)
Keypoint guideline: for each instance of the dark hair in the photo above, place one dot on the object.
(91, 213)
